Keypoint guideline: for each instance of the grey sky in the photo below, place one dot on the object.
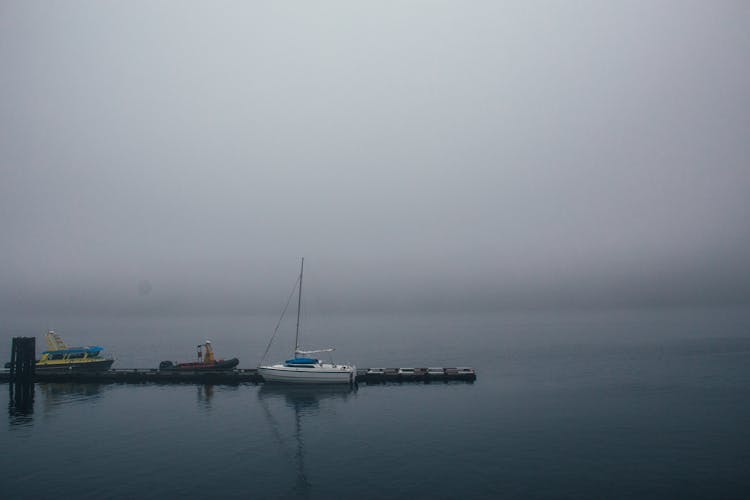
(419, 154)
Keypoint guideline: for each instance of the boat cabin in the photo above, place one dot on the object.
(302, 362)
(72, 353)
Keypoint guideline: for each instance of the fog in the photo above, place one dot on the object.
(182, 156)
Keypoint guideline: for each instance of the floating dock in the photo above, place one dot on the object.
(22, 370)
(248, 375)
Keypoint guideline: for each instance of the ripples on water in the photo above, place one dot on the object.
(595, 405)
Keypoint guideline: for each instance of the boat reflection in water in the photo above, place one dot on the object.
(205, 395)
(61, 394)
(303, 401)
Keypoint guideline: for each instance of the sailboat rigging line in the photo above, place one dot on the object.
(274, 426)
(275, 330)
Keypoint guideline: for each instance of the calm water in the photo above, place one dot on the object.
(615, 404)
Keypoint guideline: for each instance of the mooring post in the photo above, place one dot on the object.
(13, 359)
(23, 359)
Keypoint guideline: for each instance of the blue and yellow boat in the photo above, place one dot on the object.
(59, 356)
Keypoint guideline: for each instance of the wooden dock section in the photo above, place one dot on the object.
(424, 375)
(240, 376)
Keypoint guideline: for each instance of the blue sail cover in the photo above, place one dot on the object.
(301, 361)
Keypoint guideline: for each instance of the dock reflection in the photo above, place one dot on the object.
(21, 403)
(304, 402)
(23, 398)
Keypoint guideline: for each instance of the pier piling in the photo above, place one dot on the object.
(23, 359)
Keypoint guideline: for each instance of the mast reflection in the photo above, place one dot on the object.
(304, 401)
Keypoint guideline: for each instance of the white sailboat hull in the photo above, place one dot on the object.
(318, 374)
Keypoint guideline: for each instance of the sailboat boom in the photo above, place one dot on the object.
(299, 351)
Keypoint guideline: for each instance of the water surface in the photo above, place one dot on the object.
(616, 404)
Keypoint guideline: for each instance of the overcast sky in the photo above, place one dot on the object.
(182, 156)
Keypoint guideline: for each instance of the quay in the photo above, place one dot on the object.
(22, 370)
(239, 376)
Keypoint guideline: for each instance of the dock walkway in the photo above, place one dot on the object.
(239, 376)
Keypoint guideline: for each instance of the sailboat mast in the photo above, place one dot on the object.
(299, 306)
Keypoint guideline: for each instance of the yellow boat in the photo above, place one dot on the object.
(59, 356)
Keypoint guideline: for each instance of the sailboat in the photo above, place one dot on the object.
(303, 368)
